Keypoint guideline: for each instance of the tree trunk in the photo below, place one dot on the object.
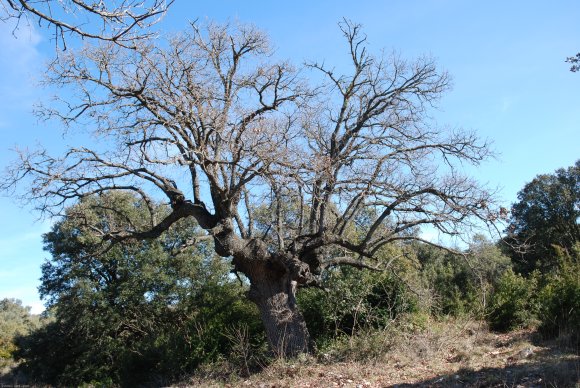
(275, 295)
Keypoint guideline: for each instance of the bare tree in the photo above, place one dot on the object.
(287, 178)
(122, 22)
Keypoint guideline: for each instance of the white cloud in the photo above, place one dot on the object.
(19, 45)
(20, 65)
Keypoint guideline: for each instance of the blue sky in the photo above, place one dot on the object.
(511, 85)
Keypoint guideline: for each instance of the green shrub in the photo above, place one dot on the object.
(370, 344)
(354, 300)
(15, 320)
(7, 348)
(90, 347)
(514, 303)
(133, 312)
(461, 285)
(559, 312)
(454, 289)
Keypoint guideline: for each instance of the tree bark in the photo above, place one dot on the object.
(274, 292)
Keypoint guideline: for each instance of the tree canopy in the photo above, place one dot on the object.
(15, 320)
(134, 311)
(288, 175)
(546, 215)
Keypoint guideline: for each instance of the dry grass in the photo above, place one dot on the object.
(441, 354)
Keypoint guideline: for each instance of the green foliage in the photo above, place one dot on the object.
(545, 221)
(358, 300)
(551, 300)
(354, 300)
(545, 216)
(135, 311)
(462, 285)
(367, 345)
(575, 61)
(450, 280)
(514, 304)
(15, 320)
(559, 312)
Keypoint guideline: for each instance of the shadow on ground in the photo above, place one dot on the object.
(545, 368)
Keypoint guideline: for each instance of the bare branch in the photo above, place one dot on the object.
(284, 176)
(123, 23)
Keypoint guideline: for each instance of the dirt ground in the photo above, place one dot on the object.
(446, 356)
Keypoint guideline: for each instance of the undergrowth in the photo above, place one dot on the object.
(413, 350)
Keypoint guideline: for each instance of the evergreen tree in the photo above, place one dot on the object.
(133, 311)
(546, 215)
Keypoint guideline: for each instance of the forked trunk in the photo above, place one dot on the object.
(275, 295)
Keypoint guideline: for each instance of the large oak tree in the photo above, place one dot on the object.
(288, 171)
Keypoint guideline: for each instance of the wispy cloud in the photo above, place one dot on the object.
(20, 243)
(20, 65)
(507, 103)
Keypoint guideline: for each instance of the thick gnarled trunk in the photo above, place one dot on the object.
(275, 295)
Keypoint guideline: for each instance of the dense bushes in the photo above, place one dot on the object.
(559, 311)
(104, 343)
(514, 302)
(134, 311)
(550, 300)
(15, 321)
(353, 300)
(461, 285)
(92, 341)
(430, 281)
